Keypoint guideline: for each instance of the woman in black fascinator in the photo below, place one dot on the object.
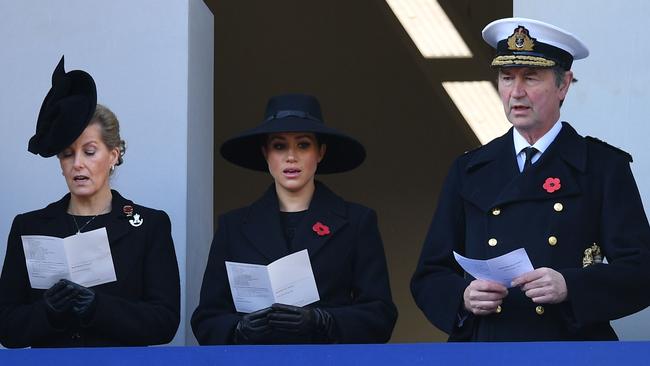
(141, 304)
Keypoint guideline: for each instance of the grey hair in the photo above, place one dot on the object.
(559, 73)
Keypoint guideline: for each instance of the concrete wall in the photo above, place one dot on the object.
(153, 67)
(200, 143)
(610, 100)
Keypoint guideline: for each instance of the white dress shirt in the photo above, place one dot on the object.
(541, 145)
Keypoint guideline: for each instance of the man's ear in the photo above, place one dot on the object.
(566, 82)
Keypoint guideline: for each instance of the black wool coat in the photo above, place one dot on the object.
(141, 308)
(349, 266)
(488, 208)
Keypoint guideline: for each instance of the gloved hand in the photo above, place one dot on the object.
(60, 297)
(83, 304)
(253, 328)
(313, 322)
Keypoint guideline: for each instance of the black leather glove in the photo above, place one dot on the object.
(60, 297)
(83, 305)
(253, 328)
(315, 323)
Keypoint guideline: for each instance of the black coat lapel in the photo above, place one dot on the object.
(59, 223)
(491, 169)
(327, 209)
(55, 218)
(564, 159)
(262, 226)
(118, 224)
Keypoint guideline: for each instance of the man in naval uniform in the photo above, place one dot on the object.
(570, 201)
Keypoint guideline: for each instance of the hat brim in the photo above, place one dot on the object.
(343, 152)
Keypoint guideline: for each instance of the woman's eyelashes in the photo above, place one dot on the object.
(304, 145)
(283, 146)
(69, 153)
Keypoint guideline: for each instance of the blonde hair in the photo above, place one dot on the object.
(110, 127)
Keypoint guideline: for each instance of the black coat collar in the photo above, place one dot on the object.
(118, 223)
(263, 228)
(493, 177)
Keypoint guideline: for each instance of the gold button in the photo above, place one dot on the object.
(492, 242)
(552, 240)
(496, 211)
(539, 309)
(558, 207)
(499, 309)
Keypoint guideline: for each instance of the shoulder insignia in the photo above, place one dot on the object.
(614, 148)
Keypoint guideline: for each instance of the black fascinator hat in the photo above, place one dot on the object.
(294, 113)
(65, 112)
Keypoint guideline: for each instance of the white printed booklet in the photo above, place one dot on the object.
(83, 258)
(289, 280)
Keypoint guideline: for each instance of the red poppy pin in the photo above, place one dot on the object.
(321, 229)
(552, 184)
(128, 210)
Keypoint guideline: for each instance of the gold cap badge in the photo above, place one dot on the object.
(520, 40)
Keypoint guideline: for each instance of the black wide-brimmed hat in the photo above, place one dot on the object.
(294, 113)
(65, 112)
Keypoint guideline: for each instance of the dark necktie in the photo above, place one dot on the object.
(530, 152)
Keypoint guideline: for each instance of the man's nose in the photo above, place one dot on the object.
(518, 88)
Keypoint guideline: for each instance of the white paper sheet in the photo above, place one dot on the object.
(83, 258)
(288, 280)
(502, 269)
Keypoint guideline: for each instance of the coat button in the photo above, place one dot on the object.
(492, 242)
(496, 211)
(552, 240)
(558, 207)
(499, 309)
(539, 309)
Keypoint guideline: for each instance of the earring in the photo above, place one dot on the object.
(112, 168)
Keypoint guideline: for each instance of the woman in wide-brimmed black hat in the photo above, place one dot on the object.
(141, 306)
(296, 212)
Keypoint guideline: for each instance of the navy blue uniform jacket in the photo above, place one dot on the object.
(349, 266)
(486, 197)
(141, 308)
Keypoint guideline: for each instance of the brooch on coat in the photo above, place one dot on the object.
(321, 229)
(592, 256)
(136, 220)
